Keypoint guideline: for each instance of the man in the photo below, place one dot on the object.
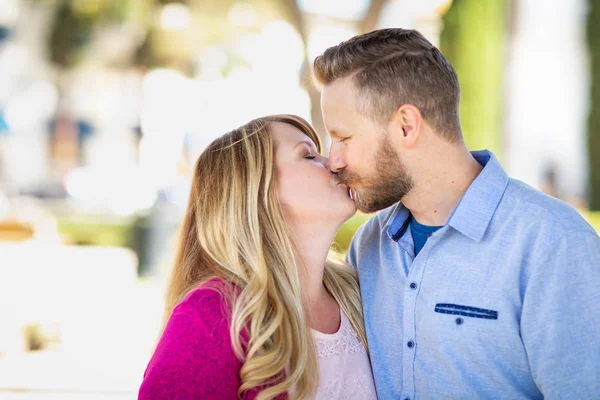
(474, 285)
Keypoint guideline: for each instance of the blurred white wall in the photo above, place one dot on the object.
(546, 99)
(27, 96)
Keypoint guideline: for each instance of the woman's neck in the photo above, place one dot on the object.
(313, 245)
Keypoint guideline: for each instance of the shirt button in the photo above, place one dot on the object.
(413, 286)
(459, 321)
(410, 344)
(407, 398)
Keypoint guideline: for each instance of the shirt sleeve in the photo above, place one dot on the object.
(560, 320)
(352, 254)
(194, 358)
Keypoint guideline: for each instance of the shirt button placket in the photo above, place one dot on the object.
(410, 295)
(412, 290)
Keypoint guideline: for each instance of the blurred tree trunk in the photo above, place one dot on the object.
(593, 144)
(371, 18)
(473, 40)
(296, 18)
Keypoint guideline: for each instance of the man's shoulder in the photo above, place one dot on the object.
(530, 206)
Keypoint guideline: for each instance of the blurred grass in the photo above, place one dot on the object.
(102, 232)
(347, 231)
(96, 231)
(593, 217)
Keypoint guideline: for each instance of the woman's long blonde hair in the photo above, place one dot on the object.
(234, 229)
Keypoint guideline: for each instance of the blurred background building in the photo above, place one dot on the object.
(105, 106)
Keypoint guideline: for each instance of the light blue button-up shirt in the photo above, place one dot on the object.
(503, 302)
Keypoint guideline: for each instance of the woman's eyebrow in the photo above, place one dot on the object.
(307, 142)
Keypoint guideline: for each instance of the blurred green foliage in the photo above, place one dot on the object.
(593, 142)
(102, 232)
(130, 233)
(74, 21)
(69, 36)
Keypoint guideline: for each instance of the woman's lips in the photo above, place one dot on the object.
(349, 190)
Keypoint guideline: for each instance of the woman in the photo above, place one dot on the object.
(257, 307)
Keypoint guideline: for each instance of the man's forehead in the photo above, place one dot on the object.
(338, 107)
(340, 89)
(333, 123)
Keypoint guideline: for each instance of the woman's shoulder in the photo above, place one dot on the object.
(194, 357)
(211, 301)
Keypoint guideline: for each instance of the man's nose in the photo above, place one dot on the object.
(336, 163)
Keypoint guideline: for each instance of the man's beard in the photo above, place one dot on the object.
(389, 185)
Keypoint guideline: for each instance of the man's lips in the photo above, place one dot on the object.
(351, 193)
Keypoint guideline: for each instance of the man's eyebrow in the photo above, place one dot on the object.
(333, 132)
(338, 133)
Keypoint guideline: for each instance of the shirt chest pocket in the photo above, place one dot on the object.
(461, 327)
(469, 337)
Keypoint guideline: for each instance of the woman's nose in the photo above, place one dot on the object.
(325, 162)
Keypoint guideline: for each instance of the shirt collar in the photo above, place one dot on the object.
(474, 212)
(398, 222)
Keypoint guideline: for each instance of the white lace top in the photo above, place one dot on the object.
(344, 366)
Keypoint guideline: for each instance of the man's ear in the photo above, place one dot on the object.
(406, 123)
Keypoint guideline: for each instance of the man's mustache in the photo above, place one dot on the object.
(347, 178)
